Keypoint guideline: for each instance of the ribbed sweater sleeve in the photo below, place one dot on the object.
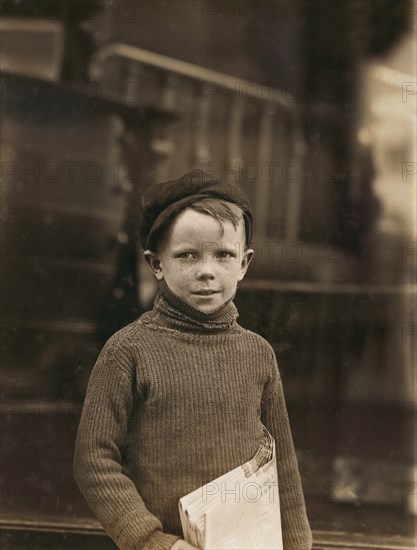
(110, 493)
(295, 526)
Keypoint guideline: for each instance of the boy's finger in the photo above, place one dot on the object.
(183, 545)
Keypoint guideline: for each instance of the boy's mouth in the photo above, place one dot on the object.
(205, 292)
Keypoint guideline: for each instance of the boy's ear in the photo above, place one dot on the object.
(246, 260)
(154, 263)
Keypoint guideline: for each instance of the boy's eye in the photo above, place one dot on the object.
(186, 255)
(224, 255)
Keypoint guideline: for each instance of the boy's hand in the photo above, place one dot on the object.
(183, 545)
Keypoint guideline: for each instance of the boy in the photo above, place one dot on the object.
(180, 396)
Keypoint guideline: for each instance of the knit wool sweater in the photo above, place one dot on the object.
(176, 399)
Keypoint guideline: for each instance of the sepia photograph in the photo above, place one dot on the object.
(208, 274)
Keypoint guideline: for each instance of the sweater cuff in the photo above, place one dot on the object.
(157, 540)
(299, 542)
(160, 541)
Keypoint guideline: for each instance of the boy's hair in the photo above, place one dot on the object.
(219, 209)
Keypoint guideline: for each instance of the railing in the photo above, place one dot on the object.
(245, 132)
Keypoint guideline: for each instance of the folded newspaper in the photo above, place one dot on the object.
(239, 509)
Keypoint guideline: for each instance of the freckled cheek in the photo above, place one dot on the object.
(230, 268)
(184, 272)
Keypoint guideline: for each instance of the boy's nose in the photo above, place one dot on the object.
(205, 271)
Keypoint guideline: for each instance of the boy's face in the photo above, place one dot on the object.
(201, 263)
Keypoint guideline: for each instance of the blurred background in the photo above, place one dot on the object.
(310, 107)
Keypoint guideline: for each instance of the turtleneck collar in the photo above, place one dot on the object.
(177, 314)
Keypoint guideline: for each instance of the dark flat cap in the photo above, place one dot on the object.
(162, 201)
